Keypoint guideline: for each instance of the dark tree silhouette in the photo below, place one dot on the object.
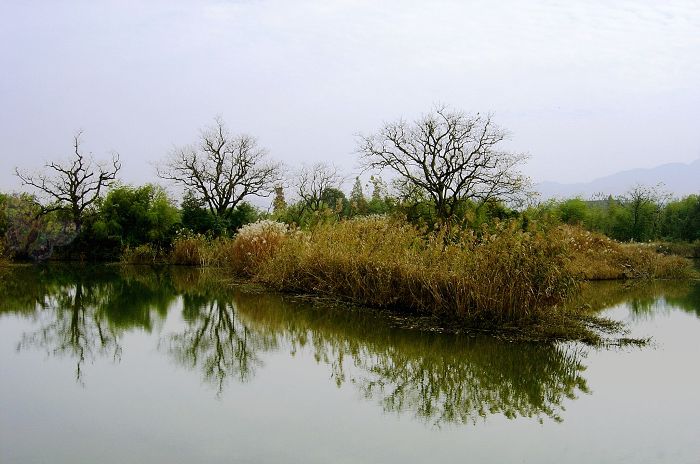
(448, 155)
(222, 169)
(73, 186)
(313, 181)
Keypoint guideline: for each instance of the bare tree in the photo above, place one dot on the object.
(312, 181)
(449, 155)
(644, 203)
(75, 185)
(222, 169)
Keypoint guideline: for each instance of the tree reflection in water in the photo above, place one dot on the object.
(436, 377)
(216, 342)
(81, 312)
(71, 325)
(643, 299)
(225, 333)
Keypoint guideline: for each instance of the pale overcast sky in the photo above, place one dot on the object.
(587, 88)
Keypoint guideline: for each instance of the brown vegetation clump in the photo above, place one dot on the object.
(190, 249)
(253, 245)
(501, 274)
(597, 257)
(684, 249)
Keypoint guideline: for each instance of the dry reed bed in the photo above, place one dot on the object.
(506, 275)
(500, 275)
(596, 257)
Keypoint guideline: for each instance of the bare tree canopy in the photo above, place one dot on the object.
(644, 197)
(75, 185)
(222, 169)
(312, 181)
(449, 155)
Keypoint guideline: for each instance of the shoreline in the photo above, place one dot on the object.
(572, 324)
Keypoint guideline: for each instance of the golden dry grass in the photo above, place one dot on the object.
(596, 257)
(190, 250)
(506, 274)
(253, 245)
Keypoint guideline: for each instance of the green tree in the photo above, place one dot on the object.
(29, 231)
(573, 211)
(334, 199)
(195, 216)
(4, 198)
(644, 205)
(379, 202)
(358, 202)
(137, 215)
(681, 219)
(279, 203)
(198, 218)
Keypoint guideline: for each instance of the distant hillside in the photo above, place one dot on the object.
(679, 179)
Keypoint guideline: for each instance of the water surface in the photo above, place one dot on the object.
(131, 364)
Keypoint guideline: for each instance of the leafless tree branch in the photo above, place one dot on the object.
(222, 169)
(448, 155)
(75, 185)
(312, 181)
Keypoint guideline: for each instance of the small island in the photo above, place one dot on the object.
(456, 239)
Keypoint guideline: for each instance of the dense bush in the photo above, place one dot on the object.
(134, 216)
(30, 234)
(143, 254)
(198, 219)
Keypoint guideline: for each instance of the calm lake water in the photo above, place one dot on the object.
(127, 365)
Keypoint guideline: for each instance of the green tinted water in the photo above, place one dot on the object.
(108, 364)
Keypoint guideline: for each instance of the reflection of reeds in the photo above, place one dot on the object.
(437, 377)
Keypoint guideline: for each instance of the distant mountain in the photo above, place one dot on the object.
(679, 179)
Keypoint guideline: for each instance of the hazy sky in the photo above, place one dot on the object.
(587, 88)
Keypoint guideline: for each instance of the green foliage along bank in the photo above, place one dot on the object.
(642, 215)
